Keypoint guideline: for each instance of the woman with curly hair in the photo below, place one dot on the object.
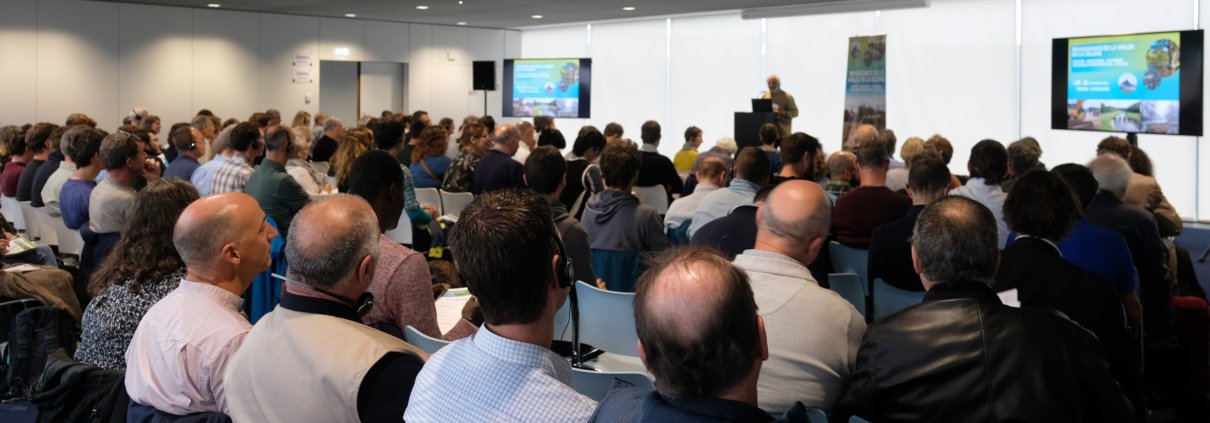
(143, 267)
(429, 162)
(356, 142)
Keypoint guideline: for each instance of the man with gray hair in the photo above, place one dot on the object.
(783, 105)
(185, 340)
(497, 170)
(962, 355)
(810, 363)
(1138, 226)
(311, 358)
(324, 147)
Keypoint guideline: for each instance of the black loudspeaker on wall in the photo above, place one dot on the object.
(485, 76)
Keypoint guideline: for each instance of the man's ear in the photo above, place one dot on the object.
(916, 261)
(230, 253)
(760, 212)
(554, 272)
(764, 339)
(365, 270)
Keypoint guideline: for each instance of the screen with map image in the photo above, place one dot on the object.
(1136, 83)
(547, 87)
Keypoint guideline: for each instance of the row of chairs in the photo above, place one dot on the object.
(37, 223)
(874, 301)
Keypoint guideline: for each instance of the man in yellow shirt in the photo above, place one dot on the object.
(685, 158)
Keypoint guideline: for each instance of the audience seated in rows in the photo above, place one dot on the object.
(583, 173)
(962, 355)
(1099, 249)
(1041, 209)
(1143, 190)
(183, 343)
(711, 175)
(684, 159)
(888, 140)
(84, 147)
(401, 285)
(870, 205)
(124, 159)
(546, 174)
(312, 352)
(701, 337)
(53, 159)
(219, 152)
(724, 149)
(1024, 155)
(798, 156)
(32, 157)
(246, 146)
(278, 194)
(429, 164)
(497, 170)
(357, 141)
(897, 177)
(474, 142)
(813, 333)
(842, 171)
(325, 143)
(890, 244)
(528, 142)
(55, 182)
(988, 165)
(613, 132)
(751, 173)
(614, 218)
(308, 176)
(187, 141)
(143, 267)
(509, 255)
(655, 169)
(769, 139)
(388, 137)
(734, 233)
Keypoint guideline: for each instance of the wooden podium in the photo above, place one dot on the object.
(747, 127)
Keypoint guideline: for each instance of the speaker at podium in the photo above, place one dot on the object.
(747, 124)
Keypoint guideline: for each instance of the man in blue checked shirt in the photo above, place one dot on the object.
(508, 254)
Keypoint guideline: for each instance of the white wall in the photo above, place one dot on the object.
(102, 59)
(382, 87)
(338, 90)
(951, 69)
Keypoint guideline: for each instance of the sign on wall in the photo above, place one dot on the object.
(302, 67)
(865, 85)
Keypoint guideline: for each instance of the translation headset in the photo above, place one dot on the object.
(564, 268)
(362, 305)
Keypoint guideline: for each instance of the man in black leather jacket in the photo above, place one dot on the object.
(962, 355)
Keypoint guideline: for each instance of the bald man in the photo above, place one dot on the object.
(814, 334)
(702, 339)
(783, 105)
(864, 133)
(184, 342)
(311, 359)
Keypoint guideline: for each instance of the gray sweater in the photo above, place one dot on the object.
(616, 221)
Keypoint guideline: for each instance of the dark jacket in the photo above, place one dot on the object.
(962, 355)
(497, 171)
(323, 149)
(1043, 278)
(642, 405)
(575, 242)
(43, 175)
(730, 234)
(891, 253)
(655, 169)
(1147, 250)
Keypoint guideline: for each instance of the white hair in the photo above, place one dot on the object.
(727, 143)
(1111, 172)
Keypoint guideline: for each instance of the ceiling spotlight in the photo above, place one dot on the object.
(628, 8)
(461, 23)
(459, 1)
(350, 15)
(214, 5)
(536, 16)
(422, 7)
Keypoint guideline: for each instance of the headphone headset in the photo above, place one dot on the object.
(362, 305)
(564, 269)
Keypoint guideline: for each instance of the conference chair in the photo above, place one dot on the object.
(855, 419)
(70, 241)
(430, 196)
(402, 232)
(850, 287)
(11, 209)
(563, 329)
(619, 269)
(847, 259)
(595, 384)
(654, 196)
(815, 415)
(453, 203)
(889, 300)
(426, 343)
(49, 236)
(607, 320)
(32, 226)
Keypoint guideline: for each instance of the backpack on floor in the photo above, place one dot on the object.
(35, 333)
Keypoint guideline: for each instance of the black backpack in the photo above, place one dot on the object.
(33, 333)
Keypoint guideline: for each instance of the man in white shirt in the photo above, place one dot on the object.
(813, 333)
(988, 166)
(711, 175)
(182, 345)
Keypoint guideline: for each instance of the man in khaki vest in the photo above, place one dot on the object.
(311, 359)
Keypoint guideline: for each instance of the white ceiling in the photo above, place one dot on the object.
(487, 13)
